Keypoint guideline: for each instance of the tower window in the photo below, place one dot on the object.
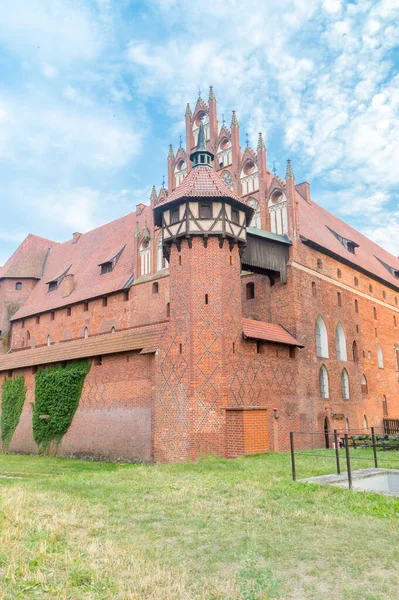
(250, 291)
(174, 216)
(363, 386)
(205, 210)
(235, 216)
(394, 321)
(323, 382)
(18, 285)
(345, 385)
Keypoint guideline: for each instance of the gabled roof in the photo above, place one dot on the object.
(83, 257)
(28, 259)
(201, 182)
(269, 332)
(315, 225)
(147, 339)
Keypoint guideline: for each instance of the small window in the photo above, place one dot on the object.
(155, 287)
(126, 296)
(374, 312)
(105, 301)
(113, 329)
(357, 329)
(174, 216)
(323, 382)
(354, 352)
(356, 281)
(319, 263)
(52, 315)
(394, 321)
(292, 351)
(38, 320)
(205, 210)
(52, 286)
(380, 357)
(314, 290)
(250, 291)
(22, 323)
(168, 309)
(235, 216)
(356, 306)
(34, 370)
(345, 385)
(384, 406)
(396, 300)
(107, 267)
(384, 294)
(68, 311)
(339, 273)
(98, 361)
(48, 341)
(370, 288)
(206, 299)
(376, 332)
(85, 306)
(365, 424)
(18, 285)
(86, 333)
(9, 374)
(339, 299)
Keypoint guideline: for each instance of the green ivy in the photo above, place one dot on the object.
(12, 401)
(57, 395)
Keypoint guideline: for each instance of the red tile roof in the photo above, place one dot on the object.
(28, 259)
(270, 332)
(147, 339)
(314, 221)
(83, 258)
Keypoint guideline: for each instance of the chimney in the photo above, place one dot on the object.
(304, 190)
(75, 237)
(68, 285)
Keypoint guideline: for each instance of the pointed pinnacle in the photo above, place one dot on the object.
(171, 153)
(261, 143)
(153, 193)
(234, 122)
(211, 94)
(289, 172)
(188, 110)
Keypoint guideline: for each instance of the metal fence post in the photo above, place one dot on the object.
(348, 461)
(292, 456)
(337, 451)
(374, 448)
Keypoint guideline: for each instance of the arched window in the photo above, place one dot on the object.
(354, 352)
(162, 263)
(145, 257)
(86, 333)
(364, 386)
(346, 424)
(249, 177)
(374, 312)
(180, 171)
(321, 338)
(113, 329)
(356, 306)
(224, 153)
(340, 343)
(365, 424)
(314, 290)
(278, 212)
(380, 357)
(201, 115)
(345, 384)
(18, 285)
(27, 337)
(323, 382)
(384, 406)
(48, 340)
(339, 298)
(255, 222)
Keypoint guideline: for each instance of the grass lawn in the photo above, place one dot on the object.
(214, 529)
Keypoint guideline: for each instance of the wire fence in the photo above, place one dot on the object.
(361, 448)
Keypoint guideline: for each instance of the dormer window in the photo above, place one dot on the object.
(348, 244)
(393, 271)
(52, 285)
(108, 265)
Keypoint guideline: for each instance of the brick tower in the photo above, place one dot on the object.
(203, 232)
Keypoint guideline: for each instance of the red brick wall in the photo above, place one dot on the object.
(10, 300)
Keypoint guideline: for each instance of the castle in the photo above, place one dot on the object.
(226, 313)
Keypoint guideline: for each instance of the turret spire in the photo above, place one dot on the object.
(289, 173)
(211, 94)
(153, 193)
(188, 110)
(201, 157)
(234, 122)
(171, 153)
(261, 143)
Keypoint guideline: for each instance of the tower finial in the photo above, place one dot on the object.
(201, 156)
(199, 93)
(289, 172)
(211, 94)
(171, 153)
(234, 122)
(153, 193)
(188, 110)
(223, 120)
(247, 140)
(261, 143)
(180, 142)
(163, 182)
(274, 168)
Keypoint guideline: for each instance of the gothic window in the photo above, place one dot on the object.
(162, 263)
(321, 338)
(380, 357)
(340, 343)
(145, 257)
(180, 171)
(255, 222)
(224, 153)
(18, 285)
(278, 213)
(384, 406)
(323, 382)
(354, 352)
(345, 384)
(86, 333)
(249, 178)
(363, 386)
(365, 424)
(48, 340)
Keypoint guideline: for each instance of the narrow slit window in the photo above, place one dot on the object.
(206, 299)
(250, 290)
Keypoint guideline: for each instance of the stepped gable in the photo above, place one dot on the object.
(83, 259)
(314, 221)
(28, 259)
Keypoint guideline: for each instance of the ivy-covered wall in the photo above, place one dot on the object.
(57, 394)
(12, 400)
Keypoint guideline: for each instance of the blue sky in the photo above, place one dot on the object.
(93, 91)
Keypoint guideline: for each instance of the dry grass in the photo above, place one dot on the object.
(210, 530)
